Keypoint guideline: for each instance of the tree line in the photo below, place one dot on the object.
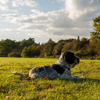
(29, 48)
(85, 48)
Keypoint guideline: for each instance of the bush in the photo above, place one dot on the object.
(14, 54)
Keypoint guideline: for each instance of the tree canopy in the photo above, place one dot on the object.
(96, 34)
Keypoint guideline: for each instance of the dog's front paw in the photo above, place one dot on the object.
(83, 77)
(77, 77)
(14, 72)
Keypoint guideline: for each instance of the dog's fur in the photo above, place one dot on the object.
(61, 69)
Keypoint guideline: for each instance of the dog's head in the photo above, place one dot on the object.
(70, 59)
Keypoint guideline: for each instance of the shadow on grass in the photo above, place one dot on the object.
(85, 80)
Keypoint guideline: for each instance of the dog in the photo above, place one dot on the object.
(61, 69)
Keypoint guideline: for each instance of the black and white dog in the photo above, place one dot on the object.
(61, 69)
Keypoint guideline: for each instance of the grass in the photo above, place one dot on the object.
(14, 87)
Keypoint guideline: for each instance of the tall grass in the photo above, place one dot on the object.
(14, 87)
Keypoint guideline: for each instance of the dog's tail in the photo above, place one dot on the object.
(20, 74)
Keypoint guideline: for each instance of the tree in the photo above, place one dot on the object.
(6, 46)
(73, 46)
(82, 47)
(58, 47)
(83, 42)
(32, 40)
(3, 52)
(30, 51)
(48, 48)
(95, 36)
(96, 33)
(14, 54)
(26, 43)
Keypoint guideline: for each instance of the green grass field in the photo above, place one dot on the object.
(15, 87)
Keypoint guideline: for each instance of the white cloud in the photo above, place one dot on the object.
(15, 4)
(4, 7)
(8, 16)
(32, 27)
(29, 3)
(75, 20)
(78, 8)
(7, 29)
(41, 18)
(35, 11)
(59, 21)
(51, 23)
(4, 1)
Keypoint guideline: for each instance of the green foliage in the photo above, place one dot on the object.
(58, 47)
(73, 46)
(97, 24)
(95, 38)
(13, 87)
(95, 46)
(28, 48)
(6, 46)
(14, 54)
(3, 52)
(48, 48)
(29, 51)
(26, 43)
(96, 33)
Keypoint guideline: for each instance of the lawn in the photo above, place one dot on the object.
(13, 87)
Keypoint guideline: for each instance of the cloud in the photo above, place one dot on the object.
(51, 23)
(32, 27)
(4, 7)
(79, 8)
(4, 1)
(59, 21)
(29, 3)
(9, 16)
(7, 29)
(72, 21)
(35, 11)
(41, 18)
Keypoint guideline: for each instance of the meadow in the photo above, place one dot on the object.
(13, 87)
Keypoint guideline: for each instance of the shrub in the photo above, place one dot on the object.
(14, 54)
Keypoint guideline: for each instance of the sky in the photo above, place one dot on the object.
(45, 19)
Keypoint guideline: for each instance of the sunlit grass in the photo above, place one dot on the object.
(14, 87)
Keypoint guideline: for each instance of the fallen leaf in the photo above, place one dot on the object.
(34, 83)
(28, 78)
(46, 77)
(2, 89)
(48, 85)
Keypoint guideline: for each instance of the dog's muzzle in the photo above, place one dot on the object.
(77, 60)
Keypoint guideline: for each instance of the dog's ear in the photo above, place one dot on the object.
(69, 57)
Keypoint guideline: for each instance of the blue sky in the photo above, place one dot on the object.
(45, 19)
